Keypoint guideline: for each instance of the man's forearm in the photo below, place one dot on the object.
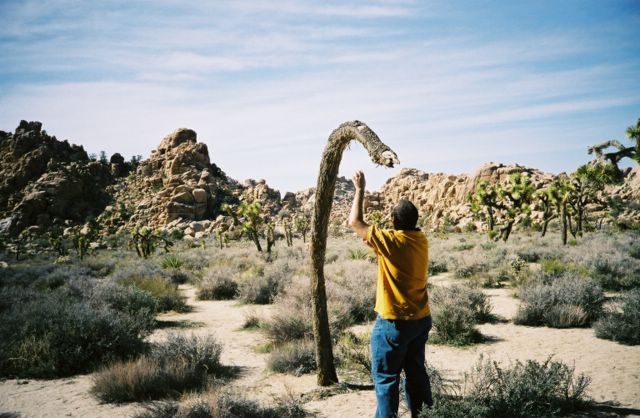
(357, 207)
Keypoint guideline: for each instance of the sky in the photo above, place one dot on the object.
(448, 85)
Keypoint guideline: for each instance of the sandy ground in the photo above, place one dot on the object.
(614, 368)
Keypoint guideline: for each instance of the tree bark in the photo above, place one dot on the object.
(329, 164)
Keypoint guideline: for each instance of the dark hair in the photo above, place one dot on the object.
(404, 215)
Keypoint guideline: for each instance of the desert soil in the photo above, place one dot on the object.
(613, 368)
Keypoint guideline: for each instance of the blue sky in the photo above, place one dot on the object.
(449, 85)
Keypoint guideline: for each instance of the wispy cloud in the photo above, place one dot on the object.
(264, 83)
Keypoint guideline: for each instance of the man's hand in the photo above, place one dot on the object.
(358, 180)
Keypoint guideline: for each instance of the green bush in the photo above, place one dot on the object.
(54, 336)
(615, 273)
(436, 266)
(529, 389)
(165, 293)
(217, 284)
(568, 301)
(176, 366)
(456, 311)
(622, 325)
(296, 357)
(171, 261)
(554, 266)
(264, 287)
(128, 300)
(285, 326)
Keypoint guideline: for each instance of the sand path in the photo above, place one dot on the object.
(614, 368)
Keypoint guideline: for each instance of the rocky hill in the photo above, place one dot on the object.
(176, 184)
(45, 182)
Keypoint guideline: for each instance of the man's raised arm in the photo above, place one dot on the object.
(356, 220)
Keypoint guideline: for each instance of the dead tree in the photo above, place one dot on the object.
(331, 157)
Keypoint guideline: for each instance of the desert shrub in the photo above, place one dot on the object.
(296, 357)
(472, 262)
(615, 272)
(622, 325)
(201, 353)
(128, 269)
(437, 266)
(553, 266)
(224, 404)
(129, 300)
(464, 246)
(179, 277)
(568, 301)
(14, 296)
(351, 286)
(171, 261)
(529, 254)
(251, 321)
(354, 352)
(54, 336)
(634, 251)
(358, 254)
(285, 325)
(100, 266)
(530, 389)
(454, 317)
(471, 298)
(165, 293)
(217, 284)
(47, 277)
(263, 288)
(176, 366)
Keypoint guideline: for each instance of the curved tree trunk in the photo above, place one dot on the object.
(331, 157)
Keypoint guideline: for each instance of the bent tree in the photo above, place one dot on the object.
(380, 154)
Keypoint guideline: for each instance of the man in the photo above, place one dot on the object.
(404, 319)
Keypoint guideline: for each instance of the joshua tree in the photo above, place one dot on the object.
(301, 223)
(612, 158)
(270, 232)
(329, 164)
(253, 222)
(288, 233)
(516, 199)
(485, 198)
(145, 241)
(503, 203)
(587, 182)
(547, 197)
(376, 217)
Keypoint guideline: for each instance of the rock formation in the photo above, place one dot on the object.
(45, 182)
(176, 185)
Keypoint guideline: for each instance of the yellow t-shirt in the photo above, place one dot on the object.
(403, 259)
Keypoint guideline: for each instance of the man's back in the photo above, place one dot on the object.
(403, 259)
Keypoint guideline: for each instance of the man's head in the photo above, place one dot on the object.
(404, 216)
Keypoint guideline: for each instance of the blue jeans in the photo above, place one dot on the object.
(398, 345)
